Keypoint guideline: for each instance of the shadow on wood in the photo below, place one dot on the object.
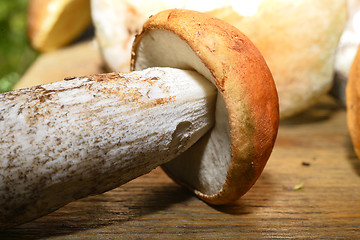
(118, 206)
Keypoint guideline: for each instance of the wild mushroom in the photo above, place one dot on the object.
(346, 51)
(353, 104)
(82, 136)
(55, 23)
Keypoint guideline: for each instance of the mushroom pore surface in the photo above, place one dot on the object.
(205, 165)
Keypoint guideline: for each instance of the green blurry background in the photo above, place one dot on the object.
(16, 54)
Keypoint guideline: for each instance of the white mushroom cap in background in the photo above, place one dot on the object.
(297, 38)
(117, 21)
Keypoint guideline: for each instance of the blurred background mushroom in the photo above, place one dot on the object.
(346, 51)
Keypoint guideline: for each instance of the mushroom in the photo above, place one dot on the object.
(55, 23)
(82, 136)
(353, 104)
(297, 38)
(346, 51)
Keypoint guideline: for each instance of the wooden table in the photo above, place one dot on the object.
(310, 188)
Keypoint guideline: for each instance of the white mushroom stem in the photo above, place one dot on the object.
(67, 140)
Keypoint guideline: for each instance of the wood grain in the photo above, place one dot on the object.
(312, 149)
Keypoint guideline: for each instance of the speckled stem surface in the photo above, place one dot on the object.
(81, 136)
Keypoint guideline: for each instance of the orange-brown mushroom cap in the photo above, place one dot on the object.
(353, 103)
(247, 99)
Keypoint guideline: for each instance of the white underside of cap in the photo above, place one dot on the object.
(204, 167)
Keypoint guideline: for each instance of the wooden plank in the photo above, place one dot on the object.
(312, 149)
